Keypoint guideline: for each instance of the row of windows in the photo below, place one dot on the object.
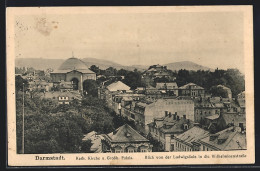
(63, 98)
(206, 148)
(178, 102)
(205, 112)
(182, 147)
(64, 102)
(131, 151)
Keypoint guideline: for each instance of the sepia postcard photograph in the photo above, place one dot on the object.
(92, 86)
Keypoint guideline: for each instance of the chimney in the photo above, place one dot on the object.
(174, 116)
(241, 126)
(213, 137)
(166, 113)
(178, 118)
(184, 116)
(170, 114)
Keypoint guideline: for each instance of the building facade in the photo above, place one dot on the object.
(192, 90)
(165, 129)
(125, 140)
(232, 138)
(188, 141)
(75, 71)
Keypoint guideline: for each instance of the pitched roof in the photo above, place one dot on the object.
(224, 87)
(116, 86)
(234, 118)
(192, 135)
(172, 125)
(125, 134)
(192, 86)
(231, 140)
(213, 117)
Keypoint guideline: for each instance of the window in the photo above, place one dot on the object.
(172, 147)
(143, 150)
(118, 151)
(131, 150)
(203, 148)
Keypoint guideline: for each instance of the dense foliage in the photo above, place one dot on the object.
(91, 87)
(231, 78)
(53, 128)
(19, 81)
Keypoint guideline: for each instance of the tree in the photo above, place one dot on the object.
(122, 72)
(19, 81)
(95, 69)
(85, 146)
(110, 71)
(91, 87)
(133, 79)
(218, 91)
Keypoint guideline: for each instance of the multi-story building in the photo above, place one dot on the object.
(170, 88)
(75, 71)
(113, 89)
(232, 138)
(125, 140)
(189, 140)
(117, 100)
(166, 128)
(233, 119)
(153, 93)
(62, 97)
(144, 112)
(205, 108)
(192, 90)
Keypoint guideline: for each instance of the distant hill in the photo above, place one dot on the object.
(43, 64)
(38, 63)
(186, 65)
(104, 64)
(101, 63)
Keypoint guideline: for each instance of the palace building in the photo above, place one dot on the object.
(75, 71)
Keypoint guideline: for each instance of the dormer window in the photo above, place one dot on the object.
(185, 126)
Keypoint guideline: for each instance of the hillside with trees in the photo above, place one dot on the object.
(53, 128)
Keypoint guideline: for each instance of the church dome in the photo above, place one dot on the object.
(73, 64)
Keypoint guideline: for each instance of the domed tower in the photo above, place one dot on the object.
(73, 70)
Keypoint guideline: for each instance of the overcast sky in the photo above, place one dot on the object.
(212, 39)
